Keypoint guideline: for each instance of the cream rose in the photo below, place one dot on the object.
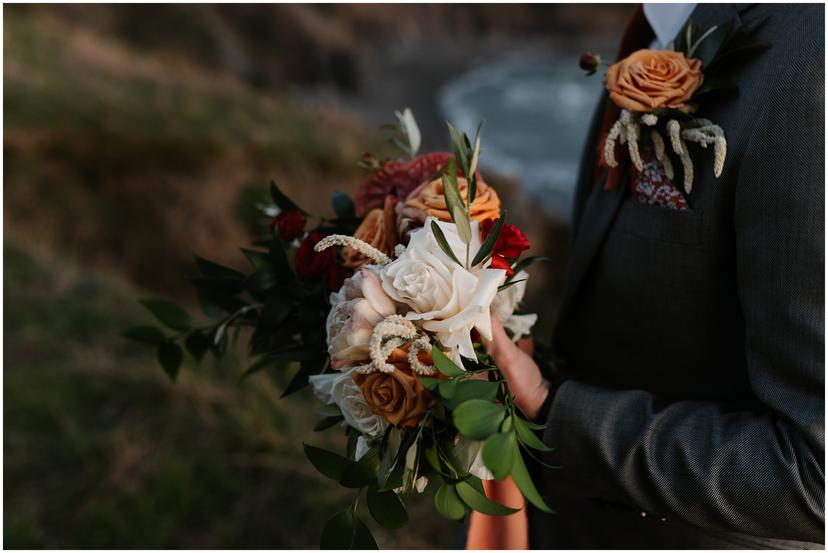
(340, 389)
(505, 304)
(355, 311)
(448, 299)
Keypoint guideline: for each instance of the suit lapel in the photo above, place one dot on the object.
(596, 208)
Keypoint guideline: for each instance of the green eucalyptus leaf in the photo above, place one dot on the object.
(527, 261)
(170, 356)
(146, 334)
(363, 539)
(213, 269)
(430, 382)
(529, 438)
(446, 388)
(328, 463)
(360, 473)
(502, 287)
(387, 508)
(442, 242)
(448, 503)
(443, 364)
(499, 452)
(328, 422)
(281, 200)
(168, 313)
(339, 531)
(257, 258)
(459, 149)
(197, 345)
(480, 503)
(478, 419)
(472, 389)
(709, 46)
(524, 483)
(490, 241)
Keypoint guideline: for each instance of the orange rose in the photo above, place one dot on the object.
(654, 79)
(428, 200)
(375, 230)
(397, 396)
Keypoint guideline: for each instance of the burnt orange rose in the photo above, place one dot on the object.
(654, 79)
(376, 229)
(428, 200)
(397, 396)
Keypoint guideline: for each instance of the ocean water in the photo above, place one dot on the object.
(536, 109)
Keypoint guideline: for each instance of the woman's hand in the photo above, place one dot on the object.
(528, 386)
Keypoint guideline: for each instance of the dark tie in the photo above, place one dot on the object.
(637, 35)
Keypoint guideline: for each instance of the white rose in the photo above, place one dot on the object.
(505, 303)
(356, 309)
(449, 299)
(340, 389)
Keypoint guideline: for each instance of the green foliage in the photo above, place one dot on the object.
(499, 452)
(470, 389)
(345, 530)
(387, 508)
(328, 463)
(523, 481)
(488, 244)
(442, 242)
(479, 502)
(527, 437)
(168, 314)
(448, 502)
(444, 364)
(170, 357)
(478, 419)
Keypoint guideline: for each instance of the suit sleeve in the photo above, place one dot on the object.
(756, 470)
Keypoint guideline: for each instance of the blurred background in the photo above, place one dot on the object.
(137, 135)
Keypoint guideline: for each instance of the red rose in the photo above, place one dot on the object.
(405, 176)
(311, 264)
(510, 243)
(291, 224)
(500, 262)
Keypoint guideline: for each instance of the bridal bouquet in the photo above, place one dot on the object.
(384, 308)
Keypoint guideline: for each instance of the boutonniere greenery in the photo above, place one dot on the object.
(660, 93)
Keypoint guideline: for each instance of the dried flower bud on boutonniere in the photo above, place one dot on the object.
(660, 92)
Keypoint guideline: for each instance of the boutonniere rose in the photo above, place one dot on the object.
(660, 91)
(654, 79)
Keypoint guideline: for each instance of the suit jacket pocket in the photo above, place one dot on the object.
(659, 223)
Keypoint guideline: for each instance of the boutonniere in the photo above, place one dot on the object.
(660, 93)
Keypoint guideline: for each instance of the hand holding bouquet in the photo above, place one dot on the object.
(384, 308)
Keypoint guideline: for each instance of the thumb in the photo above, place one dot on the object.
(500, 340)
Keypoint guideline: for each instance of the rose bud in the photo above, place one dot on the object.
(291, 224)
(589, 62)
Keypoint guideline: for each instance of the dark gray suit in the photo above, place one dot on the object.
(693, 341)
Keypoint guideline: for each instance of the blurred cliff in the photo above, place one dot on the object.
(136, 135)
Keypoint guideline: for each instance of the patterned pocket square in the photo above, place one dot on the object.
(651, 186)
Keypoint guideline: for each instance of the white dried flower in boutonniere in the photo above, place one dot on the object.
(663, 89)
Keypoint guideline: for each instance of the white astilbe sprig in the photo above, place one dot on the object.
(661, 154)
(389, 334)
(361, 246)
(627, 130)
(420, 344)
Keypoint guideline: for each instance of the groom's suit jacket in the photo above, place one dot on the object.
(692, 342)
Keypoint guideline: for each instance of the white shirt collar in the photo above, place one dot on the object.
(666, 21)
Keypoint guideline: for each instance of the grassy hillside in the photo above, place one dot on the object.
(101, 450)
